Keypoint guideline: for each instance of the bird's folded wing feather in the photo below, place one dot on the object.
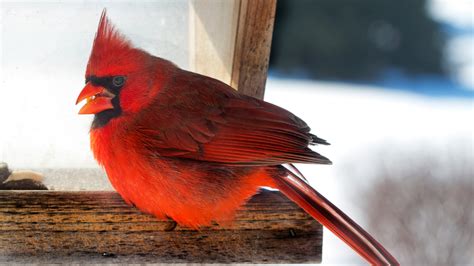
(206, 120)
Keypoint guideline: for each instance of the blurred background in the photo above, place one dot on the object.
(390, 84)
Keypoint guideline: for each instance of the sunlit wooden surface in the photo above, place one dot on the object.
(98, 227)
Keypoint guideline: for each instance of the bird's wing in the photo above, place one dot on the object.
(200, 118)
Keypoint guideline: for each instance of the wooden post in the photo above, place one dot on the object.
(252, 48)
(98, 227)
(230, 41)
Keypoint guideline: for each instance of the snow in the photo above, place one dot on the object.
(456, 12)
(461, 56)
(358, 121)
(458, 16)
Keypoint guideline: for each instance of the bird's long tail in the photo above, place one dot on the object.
(334, 219)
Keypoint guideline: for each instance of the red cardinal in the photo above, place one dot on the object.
(185, 146)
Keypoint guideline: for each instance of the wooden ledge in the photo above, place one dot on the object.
(98, 227)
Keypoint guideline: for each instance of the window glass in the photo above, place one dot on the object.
(44, 50)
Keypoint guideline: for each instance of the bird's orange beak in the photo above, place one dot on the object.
(98, 99)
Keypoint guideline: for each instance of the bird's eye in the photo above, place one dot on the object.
(118, 81)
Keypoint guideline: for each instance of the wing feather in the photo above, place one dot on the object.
(200, 118)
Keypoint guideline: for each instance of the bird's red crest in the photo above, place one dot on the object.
(112, 53)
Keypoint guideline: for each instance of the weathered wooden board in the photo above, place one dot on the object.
(98, 227)
(252, 46)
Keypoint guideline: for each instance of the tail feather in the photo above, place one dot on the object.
(334, 219)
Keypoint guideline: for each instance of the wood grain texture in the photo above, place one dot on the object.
(98, 227)
(252, 48)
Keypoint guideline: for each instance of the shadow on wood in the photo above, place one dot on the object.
(98, 227)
